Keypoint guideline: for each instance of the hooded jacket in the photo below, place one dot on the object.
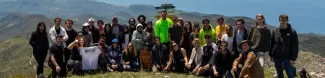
(114, 54)
(204, 32)
(161, 29)
(52, 34)
(284, 43)
(138, 38)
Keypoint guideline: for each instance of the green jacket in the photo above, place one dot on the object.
(161, 29)
(204, 32)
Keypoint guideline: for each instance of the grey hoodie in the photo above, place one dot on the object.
(138, 38)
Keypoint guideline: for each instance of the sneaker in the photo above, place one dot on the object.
(40, 76)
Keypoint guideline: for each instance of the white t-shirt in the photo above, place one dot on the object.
(126, 40)
(89, 57)
(229, 40)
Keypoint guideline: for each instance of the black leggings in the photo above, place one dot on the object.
(40, 56)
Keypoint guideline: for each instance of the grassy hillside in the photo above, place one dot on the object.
(16, 58)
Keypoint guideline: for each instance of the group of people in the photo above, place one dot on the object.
(169, 44)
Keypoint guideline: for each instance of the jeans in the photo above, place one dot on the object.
(261, 56)
(40, 56)
(75, 65)
(133, 65)
(281, 64)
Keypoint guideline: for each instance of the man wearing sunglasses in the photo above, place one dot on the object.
(220, 28)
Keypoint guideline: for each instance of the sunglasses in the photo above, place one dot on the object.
(223, 45)
(174, 45)
(114, 42)
(130, 46)
(207, 37)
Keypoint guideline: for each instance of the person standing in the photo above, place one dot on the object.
(284, 47)
(186, 38)
(175, 32)
(108, 33)
(195, 33)
(94, 30)
(220, 29)
(142, 20)
(57, 30)
(39, 42)
(100, 24)
(124, 37)
(138, 40)
(57, 63)
(132, 26)
(228, 37)
(150, 38)
(207, 30)
(260, 36)
(240, 34)
(162, 28)
(87, 34)
(72, 34)
(117, 28)
(159, 56)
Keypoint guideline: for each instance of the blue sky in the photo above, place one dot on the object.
(304, 15)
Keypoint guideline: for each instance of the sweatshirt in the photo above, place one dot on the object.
(261, 39)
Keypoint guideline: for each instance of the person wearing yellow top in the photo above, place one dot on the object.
(221, 28)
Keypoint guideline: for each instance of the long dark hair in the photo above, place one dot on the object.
(185, 29)
(149, 29)
(110, 29)
(38, 25)
(198, 25)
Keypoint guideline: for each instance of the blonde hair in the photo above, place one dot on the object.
(196, 40)
(262, 16)
(126, 50)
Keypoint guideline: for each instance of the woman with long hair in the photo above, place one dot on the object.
(149, 34)
(129, 58)
(108, 33)
(177, 59)
(124, 37)
(39, 42)
(186, 38)
(195, 32)
(260, 36)
(75, 60)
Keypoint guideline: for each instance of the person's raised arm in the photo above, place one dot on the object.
(71, 45)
